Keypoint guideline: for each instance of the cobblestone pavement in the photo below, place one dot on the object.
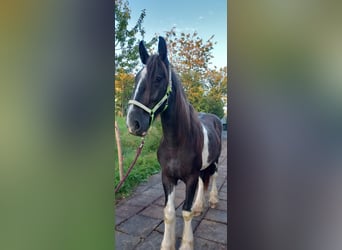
(139, 218)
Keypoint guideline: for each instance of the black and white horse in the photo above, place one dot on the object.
(191, 144)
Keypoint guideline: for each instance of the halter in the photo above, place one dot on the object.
(152, 111)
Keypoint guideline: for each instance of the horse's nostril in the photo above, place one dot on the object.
(136, 125)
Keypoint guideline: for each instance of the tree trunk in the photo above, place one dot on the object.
(118, 143)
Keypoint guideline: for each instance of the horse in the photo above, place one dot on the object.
(190, 146)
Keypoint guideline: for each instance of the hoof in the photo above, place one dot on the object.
(213, 203)
(213, 200)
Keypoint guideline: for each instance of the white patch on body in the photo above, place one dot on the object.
(188, 237)
(130, 107)
(205, 151)
(169, 239)
(197, 207)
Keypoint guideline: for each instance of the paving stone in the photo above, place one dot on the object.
(153, 192)
(216, 215)
(141, 188)
(154, 179)
(224, 187)
(222, 170)
(213, 231)
(153, 242)
(125, 211)
(224, 180)
(180, 193)
(159, 186)
(219, 182)
(138, 225)
(160, 201)
(179, 202)
(179, 226)
(141, 200)
(222, 196)
(119, 219)
(125, 241)
(222, 205)
(153, 211)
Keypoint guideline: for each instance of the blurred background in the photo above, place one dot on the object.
(285, 116)
(56, 125)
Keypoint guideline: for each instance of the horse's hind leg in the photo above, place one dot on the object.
(188, 238)
(169, 239)
(197, 207)
(213, 195)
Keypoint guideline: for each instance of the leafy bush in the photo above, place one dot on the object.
(147, 163)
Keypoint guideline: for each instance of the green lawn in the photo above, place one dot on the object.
(147, 163)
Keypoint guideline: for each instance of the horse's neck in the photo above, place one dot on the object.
(169, 125)
(172, 123)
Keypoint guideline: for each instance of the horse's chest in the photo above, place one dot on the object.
(174, 159)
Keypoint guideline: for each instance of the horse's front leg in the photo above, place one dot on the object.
(188, 238)
(169, 239)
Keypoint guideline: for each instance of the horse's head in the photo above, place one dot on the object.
(152, 88)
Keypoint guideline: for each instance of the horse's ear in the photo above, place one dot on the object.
(143, 52)
(162, 49)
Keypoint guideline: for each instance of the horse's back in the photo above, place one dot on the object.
(211, 121)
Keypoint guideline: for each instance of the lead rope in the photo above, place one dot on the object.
(132, 164)
(151, 112)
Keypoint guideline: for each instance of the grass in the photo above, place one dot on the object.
(147, 163)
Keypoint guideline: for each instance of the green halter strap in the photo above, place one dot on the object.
(152, 111)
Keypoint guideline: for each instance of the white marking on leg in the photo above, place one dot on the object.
(205, 151)
(213, 196)
(188, 237)
(130, 107)
(169, 239)
(197, 207)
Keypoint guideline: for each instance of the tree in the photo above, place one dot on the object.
(216, 94)
(126, 53)
(205, 88)
(126, 40)
(213, 105)
(189, 52)
(124, 84)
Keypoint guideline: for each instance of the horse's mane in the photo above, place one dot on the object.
(187, 121)
(187, 117)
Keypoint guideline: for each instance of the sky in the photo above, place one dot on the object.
(206, 17)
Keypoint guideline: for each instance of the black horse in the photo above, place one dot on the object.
(191, 143)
